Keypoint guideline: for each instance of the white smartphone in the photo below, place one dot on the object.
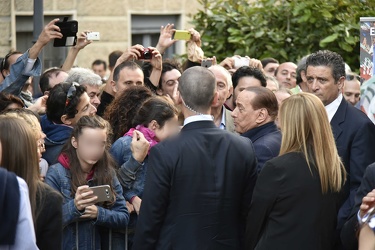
(241, 61)
(93, 36)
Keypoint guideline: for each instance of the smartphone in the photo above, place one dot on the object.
(206, 63)
(241, 61)
(103, 193)
(69, 31)
(181, 35)
(93, 36)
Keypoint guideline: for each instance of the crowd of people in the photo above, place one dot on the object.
(234, 154)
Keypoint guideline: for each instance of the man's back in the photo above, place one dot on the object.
(198, 191)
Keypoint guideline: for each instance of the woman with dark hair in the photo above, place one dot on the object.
(66, 103)
(122, 110)
(155, 121)
(85, 162)
(19, 154)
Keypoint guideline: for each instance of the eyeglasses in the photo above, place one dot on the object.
(71, 92)
(351, 77)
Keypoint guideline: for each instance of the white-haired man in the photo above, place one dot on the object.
(89, 80)
(224, 86)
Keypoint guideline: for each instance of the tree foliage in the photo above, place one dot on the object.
(286, 29)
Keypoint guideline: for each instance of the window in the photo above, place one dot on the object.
(145, 30)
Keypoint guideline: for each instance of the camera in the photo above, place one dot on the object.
(146, 54)
(93, 36)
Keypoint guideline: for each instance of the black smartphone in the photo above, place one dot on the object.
(69, 31)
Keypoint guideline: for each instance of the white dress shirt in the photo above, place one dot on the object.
(196, 118)
(333, 107)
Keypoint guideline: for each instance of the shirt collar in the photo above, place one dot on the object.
(333, 107)
(196, 118)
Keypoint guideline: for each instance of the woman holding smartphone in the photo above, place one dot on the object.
(84, 161)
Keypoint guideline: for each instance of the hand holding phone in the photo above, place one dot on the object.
(103, 193)
(69, 31)
(84, 197)
(181, 35)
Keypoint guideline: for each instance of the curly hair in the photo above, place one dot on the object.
(123, 109)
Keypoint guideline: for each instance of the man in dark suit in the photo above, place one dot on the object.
(199, 184)
(353, 131)
(254, 118)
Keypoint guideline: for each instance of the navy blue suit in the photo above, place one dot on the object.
(355, 140)
(198, 191)
(266, 140)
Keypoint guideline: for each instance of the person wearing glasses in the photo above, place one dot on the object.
(67, 102)
(352, 89)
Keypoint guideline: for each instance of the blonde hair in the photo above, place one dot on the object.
(305, 128)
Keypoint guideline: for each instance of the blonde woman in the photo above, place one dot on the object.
(296, 197)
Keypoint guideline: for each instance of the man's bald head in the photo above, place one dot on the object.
(197, 87)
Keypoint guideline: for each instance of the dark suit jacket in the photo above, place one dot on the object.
(288, 210)
(350, 229)
(266, 140)
(198, 191)
(355, 140)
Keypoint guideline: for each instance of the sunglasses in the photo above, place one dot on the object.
(351, 77)
(71, 92)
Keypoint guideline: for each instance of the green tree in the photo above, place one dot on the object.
(286, 29)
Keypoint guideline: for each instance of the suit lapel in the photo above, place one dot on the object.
(339, 118)
(229, 125)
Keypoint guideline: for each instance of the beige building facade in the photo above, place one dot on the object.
(121, 23)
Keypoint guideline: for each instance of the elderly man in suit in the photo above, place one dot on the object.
(199, 184)
(254, 118)
(224, 86)
(353, 131)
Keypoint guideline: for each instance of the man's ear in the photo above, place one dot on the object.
(230, 92)
(159, 92)
(341, 82)
(262, 116)
(74, 143)
(66, 120)
(303, 76)
(114, 86)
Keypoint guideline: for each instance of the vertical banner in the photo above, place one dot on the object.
(367, 44)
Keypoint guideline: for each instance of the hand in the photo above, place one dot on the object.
(157, 59)
(139, 146)
(132, 53)
(228, 63)
(368, 202)
(130, 207)
(165, 38)
(137, 204)
(175, 95)
(82, 42)
(84, 197)
(40, 105)
(255, 63)
(195, 36)
(91, 212)
(49, 32)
